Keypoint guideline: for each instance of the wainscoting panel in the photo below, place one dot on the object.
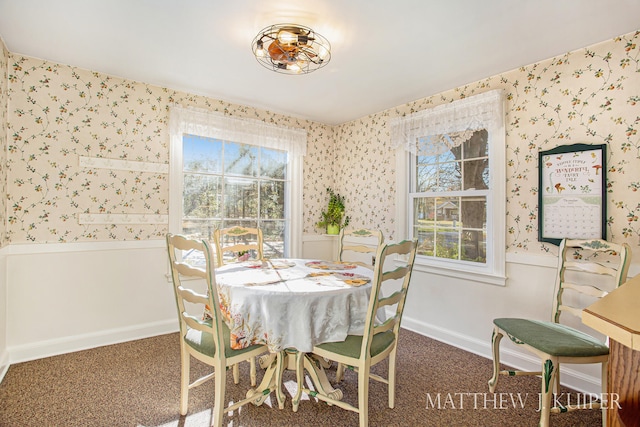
(69, 297)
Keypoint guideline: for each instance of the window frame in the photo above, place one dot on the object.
(245, 131)
(494, 270)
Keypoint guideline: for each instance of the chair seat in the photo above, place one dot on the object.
(194, 338)
(352, 345)
(552, 338)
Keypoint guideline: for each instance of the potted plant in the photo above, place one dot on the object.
(333, 218)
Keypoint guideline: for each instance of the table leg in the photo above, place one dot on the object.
(315, 368)
(272, 380)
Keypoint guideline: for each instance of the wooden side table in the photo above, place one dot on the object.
(618, 316)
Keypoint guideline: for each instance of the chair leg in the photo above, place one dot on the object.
(363, 394)
(252, 371)
(549, 372)
(220, 385)
(339, 372)
(496, 336)
(236, 373)
(392, 378)
(184, 380)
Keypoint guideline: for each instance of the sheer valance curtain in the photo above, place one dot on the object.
(246, 131)
(439, 129)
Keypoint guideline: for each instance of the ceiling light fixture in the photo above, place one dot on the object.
(291, 49)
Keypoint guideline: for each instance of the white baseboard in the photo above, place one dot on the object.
(4, 365)
(39, 350)
(523, 361)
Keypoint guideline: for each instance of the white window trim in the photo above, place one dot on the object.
(494, 272)
(247, 131)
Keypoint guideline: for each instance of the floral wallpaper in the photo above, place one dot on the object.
(4, 99)
(58, 113)
(590, 96)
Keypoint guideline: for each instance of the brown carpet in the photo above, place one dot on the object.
(137, 384)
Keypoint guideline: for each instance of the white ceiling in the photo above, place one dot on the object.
(384, 52)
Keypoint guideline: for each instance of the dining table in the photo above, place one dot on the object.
(291, 305)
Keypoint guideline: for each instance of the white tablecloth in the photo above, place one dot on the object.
(288, 304)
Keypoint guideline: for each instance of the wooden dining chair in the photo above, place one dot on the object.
(208, 340)
(379, 341)
(587, 271)
(238, 243)
(234, 244)
(359, 245)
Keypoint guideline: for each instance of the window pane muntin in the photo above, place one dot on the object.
(473, 212)
(273, 232)
(200, 228)
(240, 159)
(272, 200)
(474, 245)
(477, 146)
(476, 174)
(201, 196)
(240, 198)
(427, 177)
(438, 176)
(447, 244)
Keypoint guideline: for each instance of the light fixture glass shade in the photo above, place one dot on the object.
(291, 49)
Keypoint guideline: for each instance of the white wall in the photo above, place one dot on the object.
(71, 297)
(4, 354)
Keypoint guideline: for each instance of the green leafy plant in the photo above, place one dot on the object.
(334, 215)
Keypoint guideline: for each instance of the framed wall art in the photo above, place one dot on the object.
(572, 193)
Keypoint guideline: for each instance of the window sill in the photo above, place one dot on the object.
(456, 271)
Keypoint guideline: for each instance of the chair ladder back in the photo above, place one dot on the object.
(387, 325)
(398, 273)
(192, 296)
(392, 299)
(405, 248)
(596, 267)
(184, 293)
(188, 271)
(238, 239)
(358, 248)
(593, 291)
(360, 241)
(195, 323)
(392, 320)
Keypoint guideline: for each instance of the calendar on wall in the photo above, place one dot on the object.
(572, 193)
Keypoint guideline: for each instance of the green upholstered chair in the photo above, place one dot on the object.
(359, 245)
(379, 340)
(207, 340)
(587, 270)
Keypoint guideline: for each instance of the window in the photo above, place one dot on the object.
(227, 183)
(455, 186)
(226, 171)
